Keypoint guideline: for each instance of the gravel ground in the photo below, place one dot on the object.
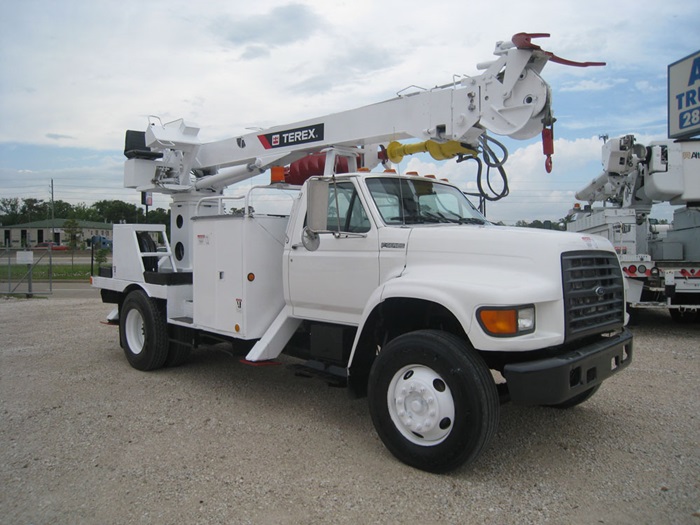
(87, 439)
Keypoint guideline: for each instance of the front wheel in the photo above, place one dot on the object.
(143, 331)
(432, 400)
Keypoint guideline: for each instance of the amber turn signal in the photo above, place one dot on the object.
(499, 322)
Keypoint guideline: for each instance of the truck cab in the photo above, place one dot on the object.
(363, 245)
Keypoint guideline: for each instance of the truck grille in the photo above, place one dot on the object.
(593, 293)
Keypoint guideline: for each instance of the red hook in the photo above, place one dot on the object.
(548, 146)
(524, 41)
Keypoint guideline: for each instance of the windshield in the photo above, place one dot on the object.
(419, 201)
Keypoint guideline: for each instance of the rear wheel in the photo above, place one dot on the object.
(178, 354)
(143, 331)
(432, 400)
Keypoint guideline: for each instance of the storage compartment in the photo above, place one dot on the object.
(663, 250)
(238, 288)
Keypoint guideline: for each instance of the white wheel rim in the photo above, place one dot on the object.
(421, 405)
(134, 331)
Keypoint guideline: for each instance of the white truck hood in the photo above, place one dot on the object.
(507, 263)
(496, 241)
(465, 267)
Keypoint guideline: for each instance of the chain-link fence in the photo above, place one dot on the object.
(26, 272)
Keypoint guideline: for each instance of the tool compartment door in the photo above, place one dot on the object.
(237, 281)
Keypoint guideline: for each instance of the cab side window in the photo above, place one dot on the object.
(345, 210)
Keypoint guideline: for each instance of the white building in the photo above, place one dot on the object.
(29, 234)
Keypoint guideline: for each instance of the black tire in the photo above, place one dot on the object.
(148, 245)
(450, 391)
(684, 316)
(178, 354)
(143, 331)
(577, 400)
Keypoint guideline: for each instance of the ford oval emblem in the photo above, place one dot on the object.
(600, 291)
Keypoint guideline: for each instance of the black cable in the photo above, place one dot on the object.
(492, 160)
(484, 139)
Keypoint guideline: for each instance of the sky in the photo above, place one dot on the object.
(75, 74)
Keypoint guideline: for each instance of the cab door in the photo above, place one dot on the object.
(334, 282)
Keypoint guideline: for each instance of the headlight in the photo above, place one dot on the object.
(507, 321)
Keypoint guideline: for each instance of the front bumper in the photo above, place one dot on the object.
(557, 379)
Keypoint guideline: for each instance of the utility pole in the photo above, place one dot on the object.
(53, 229)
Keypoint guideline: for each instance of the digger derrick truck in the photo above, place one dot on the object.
(392, 285)
(661, 263)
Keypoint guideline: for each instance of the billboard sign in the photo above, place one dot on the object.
(684, 97)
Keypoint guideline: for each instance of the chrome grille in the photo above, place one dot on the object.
(593, 293)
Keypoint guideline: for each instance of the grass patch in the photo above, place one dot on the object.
(41, 272)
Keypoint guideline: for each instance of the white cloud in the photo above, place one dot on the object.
(255, 51)
(78, 74)
(592, 85)
(280, 25)
(91, 69)
(59, 136)
(646, 86)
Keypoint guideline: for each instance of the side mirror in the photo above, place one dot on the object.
(310, 239)
(317, 205)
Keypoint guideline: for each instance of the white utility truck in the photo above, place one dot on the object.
(660, 262)
(392, 285)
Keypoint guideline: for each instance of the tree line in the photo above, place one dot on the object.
(18, 211)
(545, 225)
(14, 210)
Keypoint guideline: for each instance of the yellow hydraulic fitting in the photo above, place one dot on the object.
(438, 150)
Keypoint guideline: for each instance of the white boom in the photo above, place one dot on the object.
(635, 176)
(509, 98)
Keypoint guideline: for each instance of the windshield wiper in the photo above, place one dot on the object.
(408, 219)
(471, 220)
(437, 217)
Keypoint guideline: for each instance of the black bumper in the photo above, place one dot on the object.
(556, 379)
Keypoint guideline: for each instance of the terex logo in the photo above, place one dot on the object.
(291, 137)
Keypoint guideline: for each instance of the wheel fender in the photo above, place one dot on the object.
(402, 287)
(374, 300)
